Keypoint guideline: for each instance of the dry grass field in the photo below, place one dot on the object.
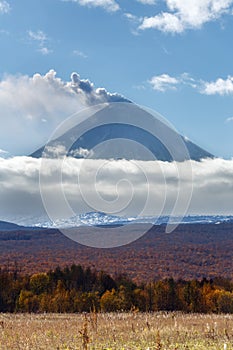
(116, 331)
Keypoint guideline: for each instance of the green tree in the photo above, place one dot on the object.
(109, 301)
(28, 302)
(39, 283)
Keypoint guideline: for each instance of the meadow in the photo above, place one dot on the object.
(116, 331)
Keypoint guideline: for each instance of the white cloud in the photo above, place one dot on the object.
(189, 14)
(27, 101)
(131, 17)
(166, 22)
(45, 51)
(4, 7)
(55, 151)
(164, 82)
(20, 194)
(218, 87)
(4, 154)
(41, 39)
(147, 2)
(79, 53)
(188, 80)
(228, 120)
(39, 36)
(81, 152)
(108, 5)
(134, 22)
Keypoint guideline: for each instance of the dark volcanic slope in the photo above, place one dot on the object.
(192, 251)
(107, 125)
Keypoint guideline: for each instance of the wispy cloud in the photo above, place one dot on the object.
(134, 22)
(45, 51)
(139, 87)
(39, 36)
(166, 51)
(79, 53)
(3, 152)
(4, 7)
(4, 32)
(108, 5)
(147, 2)
(131, 17)
(183, 15)
(41, 39)
(229, 120)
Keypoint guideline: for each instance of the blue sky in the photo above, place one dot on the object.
(174, 56)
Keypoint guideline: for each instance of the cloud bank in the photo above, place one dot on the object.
(117, 183)
(32, 107)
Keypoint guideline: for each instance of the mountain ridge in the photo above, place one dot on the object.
(103, 219)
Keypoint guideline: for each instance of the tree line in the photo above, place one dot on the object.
(79, 289)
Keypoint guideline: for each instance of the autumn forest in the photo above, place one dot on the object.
(78, 289)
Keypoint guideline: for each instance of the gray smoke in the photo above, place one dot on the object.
(32, 107)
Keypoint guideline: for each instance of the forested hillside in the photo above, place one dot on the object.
(192, 251)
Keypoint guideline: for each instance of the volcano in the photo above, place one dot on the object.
(121, 130)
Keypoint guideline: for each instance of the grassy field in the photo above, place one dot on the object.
(117, 331)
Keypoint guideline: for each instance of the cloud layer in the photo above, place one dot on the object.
(32, 107)
(118, 185)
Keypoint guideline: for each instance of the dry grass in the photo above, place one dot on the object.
(158, 331)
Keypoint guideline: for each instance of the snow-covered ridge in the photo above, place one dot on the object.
(102, 219)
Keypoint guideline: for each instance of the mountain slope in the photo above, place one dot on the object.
(124, 132)
(9, 226)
